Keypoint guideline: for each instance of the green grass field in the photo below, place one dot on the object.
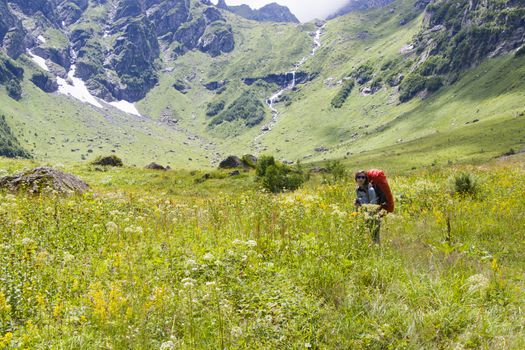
(154, 260)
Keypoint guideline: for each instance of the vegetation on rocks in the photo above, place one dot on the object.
(247, 108)
(9, 145)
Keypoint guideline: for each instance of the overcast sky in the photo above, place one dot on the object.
(305, 10)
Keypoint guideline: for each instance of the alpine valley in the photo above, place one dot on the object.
(402, 84)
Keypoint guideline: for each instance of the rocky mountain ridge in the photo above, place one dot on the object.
(269, 13)
(116, 51)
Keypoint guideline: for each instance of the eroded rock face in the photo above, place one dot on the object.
(45, 82)
(282, 80)
(138, 28)
(269, 13)
(43, 179)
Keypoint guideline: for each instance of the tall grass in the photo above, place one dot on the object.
(248, 270)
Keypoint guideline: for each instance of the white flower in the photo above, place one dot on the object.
(236, 332)
(68, 257)
(27, 241)
(477, 283)
(251, 243)
(167, 345)
(188, 282)
(111, 227)
(307, 345)
(208, 257)
(209, 284)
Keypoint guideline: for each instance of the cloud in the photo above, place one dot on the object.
(305, 10)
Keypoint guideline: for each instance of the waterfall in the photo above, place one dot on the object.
(270, 101)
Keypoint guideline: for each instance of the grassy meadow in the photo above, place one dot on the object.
(155, 260)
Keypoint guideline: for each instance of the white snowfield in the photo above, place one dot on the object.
(41, 62)
(76, 88)
(126, 107)
(41, 39)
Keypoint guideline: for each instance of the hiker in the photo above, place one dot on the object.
(371, 201)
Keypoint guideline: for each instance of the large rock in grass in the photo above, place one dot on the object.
(108, 161)
(231, 162)
(43, 179)
(155, 166)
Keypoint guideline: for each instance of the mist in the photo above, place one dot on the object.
(305, 10)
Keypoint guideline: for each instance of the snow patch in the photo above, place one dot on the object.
(41, 62)
(41, 39)
(76, 88)
(126, 107)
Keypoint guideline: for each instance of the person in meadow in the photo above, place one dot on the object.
(369, 200)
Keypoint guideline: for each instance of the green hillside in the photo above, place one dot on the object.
(410, 101)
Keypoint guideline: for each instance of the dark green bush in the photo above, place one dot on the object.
(411, 86)
(339, 100)
(14, 90)
(363, 74)
(277, 177)
(262, 164)
(465, 184)
(214, 108)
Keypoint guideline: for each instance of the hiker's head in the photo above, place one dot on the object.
(361, 178)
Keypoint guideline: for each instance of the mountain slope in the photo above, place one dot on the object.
(201, 76)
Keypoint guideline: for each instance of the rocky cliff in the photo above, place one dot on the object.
(116, 48)
(269, 13)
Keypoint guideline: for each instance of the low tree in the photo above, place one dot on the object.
(277, 177)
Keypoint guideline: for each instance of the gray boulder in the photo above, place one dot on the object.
(41, 179)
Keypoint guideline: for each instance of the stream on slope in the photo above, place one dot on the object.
(270, 101)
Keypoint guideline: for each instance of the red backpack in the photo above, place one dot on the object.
(378, 179)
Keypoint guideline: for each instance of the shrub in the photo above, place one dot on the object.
(277, 177)
(465, 184)
(214, 108)
(363, 74)
(262, 164)
(410, 86)
(14, 90)
(341, 97)
(337, 170)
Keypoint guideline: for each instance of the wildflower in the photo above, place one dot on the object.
(4, 306)
(208, 257)
(191, 262)
(209, 284)
(68, 257)
(6, 340)
(251, 243)
(188, 282)
(307, 345)
(477, 283)
(236, 332)
(27, 241)
(111, 227)
(19, 223)
(168, 345)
